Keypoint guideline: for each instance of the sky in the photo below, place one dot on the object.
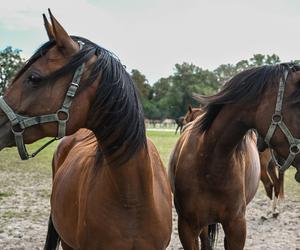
(153, 35)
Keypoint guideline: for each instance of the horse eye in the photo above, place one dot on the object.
(34, 78)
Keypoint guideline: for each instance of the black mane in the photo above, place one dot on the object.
(242, 88)
(116, 114)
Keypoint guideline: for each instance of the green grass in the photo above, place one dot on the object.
(164, 142)
(40, 166)
(10, 160)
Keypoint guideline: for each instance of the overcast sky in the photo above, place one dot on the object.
(153, 35)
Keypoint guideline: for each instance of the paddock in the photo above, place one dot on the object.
(24, 204)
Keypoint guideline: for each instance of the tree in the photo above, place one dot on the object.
(10, 62)
(141, 83)
(174, 94)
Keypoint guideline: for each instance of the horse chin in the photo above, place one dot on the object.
(6, 136)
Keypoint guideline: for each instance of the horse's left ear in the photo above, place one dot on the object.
(190, 108)
(48, 28)
(64, 42)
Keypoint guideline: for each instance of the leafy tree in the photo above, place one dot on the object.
(142, 84)
(176, 92)
(10, 62)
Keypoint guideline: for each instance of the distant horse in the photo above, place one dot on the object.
(179, 122)
(273, 181)
(110, 189)
(214, 168)
(273, 184)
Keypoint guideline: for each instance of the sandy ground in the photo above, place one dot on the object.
(24, 211)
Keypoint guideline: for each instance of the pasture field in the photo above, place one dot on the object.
(25, 190)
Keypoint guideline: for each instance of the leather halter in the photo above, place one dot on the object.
(277, 121)
(19, 122)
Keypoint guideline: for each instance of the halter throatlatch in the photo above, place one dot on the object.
(19, 123)
(277, 121)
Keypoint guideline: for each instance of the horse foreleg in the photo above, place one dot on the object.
(187, 236)
(275, 179)
(205, 241)
(235, 232)
(264, 177)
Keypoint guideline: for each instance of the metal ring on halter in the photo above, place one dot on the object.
(17, 132)
(294, 152)
(276, 115)
(62, 112)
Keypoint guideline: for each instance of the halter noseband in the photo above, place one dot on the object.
(277, 120)
(23, 122)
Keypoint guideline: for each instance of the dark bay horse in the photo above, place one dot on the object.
(209, 165)
(273, 182)
(110, 189)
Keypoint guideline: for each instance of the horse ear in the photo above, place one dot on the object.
(64, 42)
(48, 28)
(190, 109)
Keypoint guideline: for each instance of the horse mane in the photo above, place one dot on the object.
(242, 88)
(118, 118)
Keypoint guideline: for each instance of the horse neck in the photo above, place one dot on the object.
(132, 181)
(225, 134)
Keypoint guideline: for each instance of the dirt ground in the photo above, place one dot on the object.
(24, 211)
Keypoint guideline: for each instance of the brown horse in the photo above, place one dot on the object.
(273, 182)
(179, 122)
(110, 189)
(212, 159)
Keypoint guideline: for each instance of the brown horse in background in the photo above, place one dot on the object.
(214, 168)
(110, 189)
(272, 179)
(252, 171)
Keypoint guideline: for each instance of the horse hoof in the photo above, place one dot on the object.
(297, 176)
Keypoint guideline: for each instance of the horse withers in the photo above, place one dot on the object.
(110, 189)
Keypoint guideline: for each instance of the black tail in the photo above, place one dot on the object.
(213, 230)
(52, 241)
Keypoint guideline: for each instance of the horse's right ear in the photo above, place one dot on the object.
(190, 109)
(48, 28)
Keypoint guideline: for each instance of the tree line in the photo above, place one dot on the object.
(170, 96)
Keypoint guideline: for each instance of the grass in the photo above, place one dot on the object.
(40, 166)
(164, 142)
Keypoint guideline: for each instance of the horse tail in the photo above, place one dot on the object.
(52, 240)
(281, 185)
(213, 230)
